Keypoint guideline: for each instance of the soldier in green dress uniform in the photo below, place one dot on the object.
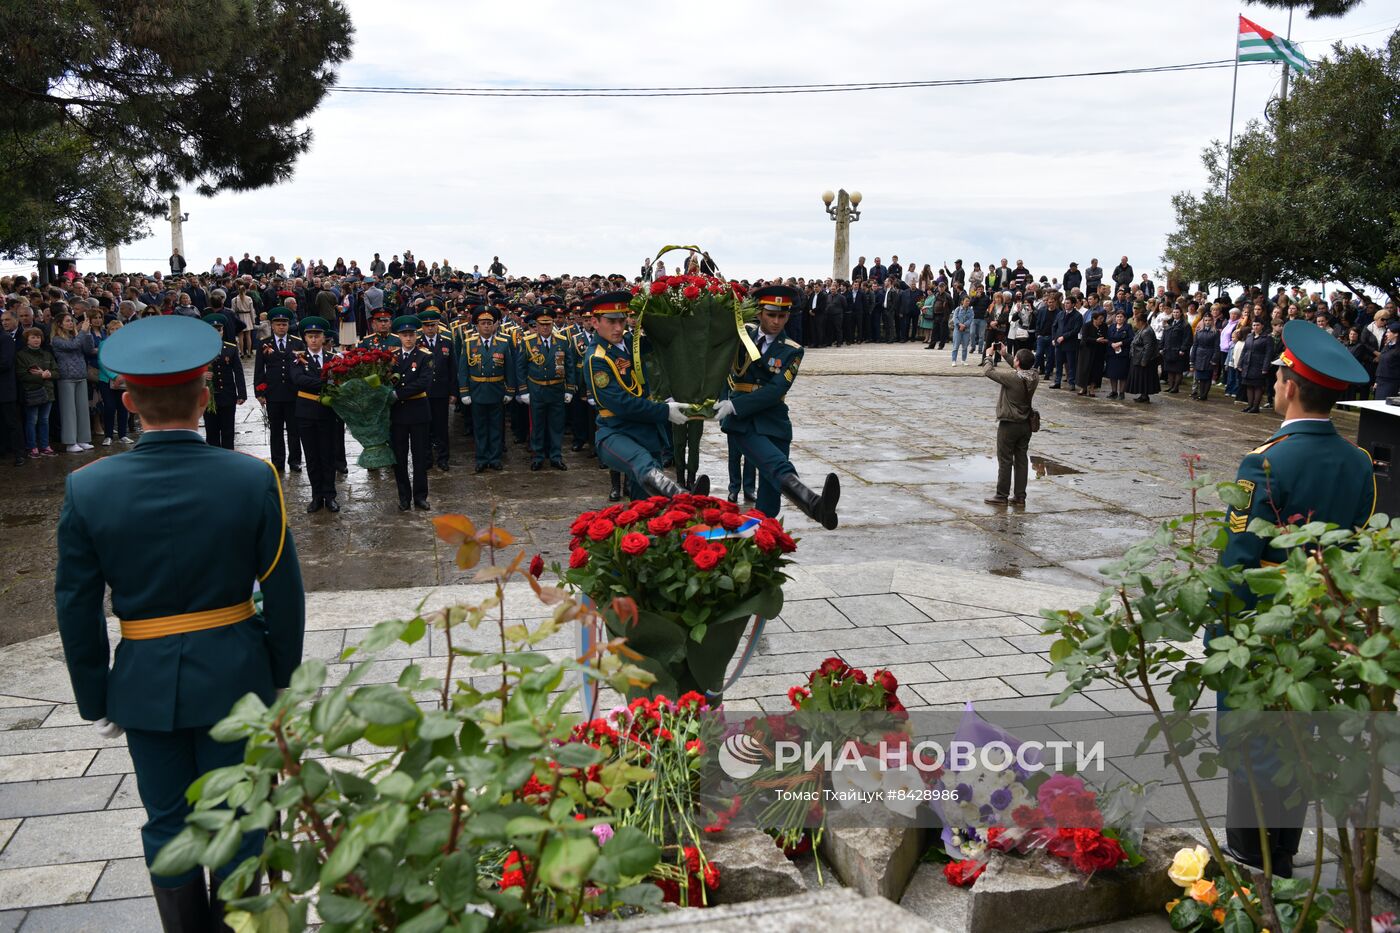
(227, 388)
(181, 565)
(631, 427)
(546, 370)
(484, 378)
(381, 338)
(754, 412)
(1305, 472)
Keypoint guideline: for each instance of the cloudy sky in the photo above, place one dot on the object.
(1045, 171)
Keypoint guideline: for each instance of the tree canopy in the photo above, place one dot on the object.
(137, 97)
(1315, 194)
(1316, 9)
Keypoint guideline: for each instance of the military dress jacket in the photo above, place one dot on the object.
(273, 368)
(227, 383)
(415, 376)
(381, 342)
(1305, 472)
(310, 383)
(442, 364)
(145, 525)
(546, 374)
(620, 392)
(485, 369)
(758, 389)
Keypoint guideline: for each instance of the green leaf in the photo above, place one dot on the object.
(1239, 656)
(1373, 673)
(519, 734)
(577, 755)
(343, 860)
(222, 846)
(1215, 663)
(414, 631)
(632, 851)
(438, 724)
(528, 826)
(697, 634)
(455, 881)
(182, 853)
(1302, 696)
(1375, 645)
(309, 676)
(1060, 650)
(429, 921)
(336, 909)
(566, 860)
(383, 705)
(328, 709)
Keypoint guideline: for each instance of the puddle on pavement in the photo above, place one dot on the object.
(982, 469)
(19, 521)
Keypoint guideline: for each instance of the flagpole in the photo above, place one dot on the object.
(1234, 86)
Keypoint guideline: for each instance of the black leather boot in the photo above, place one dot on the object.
(659, 484)
(701, 486)
(616, 494)
(820, 507)
(184, 909)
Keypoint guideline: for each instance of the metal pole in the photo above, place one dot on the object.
(1283, 98)
(1234, 86)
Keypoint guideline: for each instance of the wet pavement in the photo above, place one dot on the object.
(911, 439)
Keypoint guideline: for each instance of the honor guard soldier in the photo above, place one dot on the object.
(1306, 468)
(580, 413)
(181, 565)
(317, 422)
(410, 416)
(272, 385)
(444, 385)
(382, 338)
(631, 427)
(546, 367)
(226, 387)
(755, 414)
(483, 378)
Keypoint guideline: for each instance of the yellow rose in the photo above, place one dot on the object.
(1189, 866)
(1204, 891)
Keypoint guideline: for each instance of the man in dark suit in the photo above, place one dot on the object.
(273, 388)
(443, 389)
(410, 416)
(859, 273)
(316, 422)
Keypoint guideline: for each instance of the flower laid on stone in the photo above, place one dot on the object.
(1189, 866)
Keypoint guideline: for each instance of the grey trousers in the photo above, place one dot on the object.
(1013, 443)
(75, 422)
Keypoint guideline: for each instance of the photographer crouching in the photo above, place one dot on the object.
(1016, 420)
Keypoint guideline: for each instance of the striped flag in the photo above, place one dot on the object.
(1257, 44)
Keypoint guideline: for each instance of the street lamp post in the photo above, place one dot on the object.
(845, 212)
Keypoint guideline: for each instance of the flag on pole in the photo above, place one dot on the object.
(1257, 44)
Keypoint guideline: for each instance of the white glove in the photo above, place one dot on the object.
(677, 412)
(592, 402)
(568, 397)
(724, 409)
(466, 400)
(523, 398)
(108, 729)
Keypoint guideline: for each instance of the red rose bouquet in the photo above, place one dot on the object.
(696, 569)
(358, 388)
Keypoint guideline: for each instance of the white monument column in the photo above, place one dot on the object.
(177, 229)
(114, 260)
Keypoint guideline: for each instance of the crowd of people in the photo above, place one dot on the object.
(1089, 329)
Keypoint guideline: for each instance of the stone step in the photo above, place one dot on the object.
(831, 910)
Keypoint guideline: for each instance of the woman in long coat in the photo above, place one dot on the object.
(1116, 355)
(1205, 353)
(1142, 361)
(1093, 348)
(1255, 361)
(1176, 349)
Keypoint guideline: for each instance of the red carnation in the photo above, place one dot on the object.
(796, 695)
(600, 528)
(658, 286)
(690, 292)
(886, 680)
(260, 388)
(634, 544)
(577, 558)
(963, 874)
(832, 666)
(536, 566)
(706, 559)
(1028, 816)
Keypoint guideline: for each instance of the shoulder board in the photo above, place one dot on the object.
(599, 351)
(230, 343)
(792, 343)
(422, 349)
(1267, 444)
